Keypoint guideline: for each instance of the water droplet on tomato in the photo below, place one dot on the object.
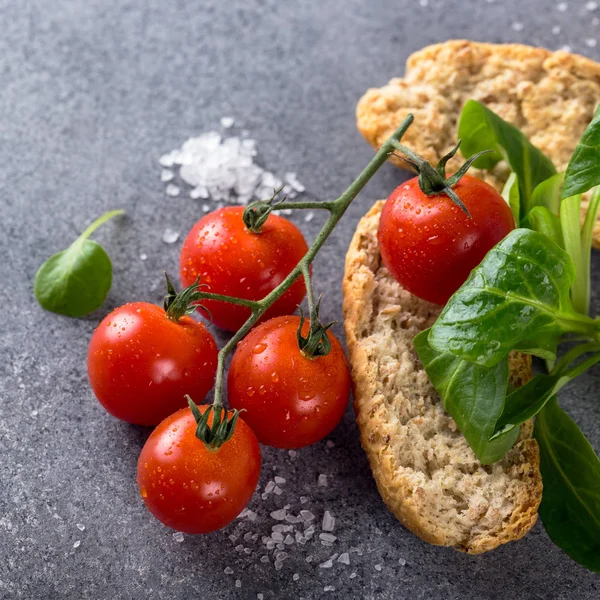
(259, 348)
(274, 377)
(250, 391)
(144, 492)
(262, 390)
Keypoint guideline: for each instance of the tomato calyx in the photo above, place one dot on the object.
(220, 430)
(433, 180)
(177, 305)
(258, 212)
(316, 342)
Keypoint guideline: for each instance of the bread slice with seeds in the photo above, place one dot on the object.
(550, 96)
(425, 471)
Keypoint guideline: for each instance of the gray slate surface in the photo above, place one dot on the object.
(92, 92)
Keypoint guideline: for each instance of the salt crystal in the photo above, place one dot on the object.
(278, 515)
(293, 182)
(309, 217)
(288, 539)
(270, 545)
(328, 563)
(322, 480)
(309, 558)
(378, 567)
(329, 588)
(277, 490)
(199, 192)
(278, 537)
(556, 29)
(352, 575)
(327, 537)
(423, 3)
(205, 208)
(344, 558)
(306, 515)
(295, 576)
(247, 550)
(278, 565)
(80, 526)
(228, 571)
(567, 48)
(280, 546)
(562, 7)
(259, 596)
(309, 532)
(279, 527)
(326, 544)
(251, 516)
(173, 190)
(264, 495)
(166, 160)
(239, 547)
(402, 562)
(269, 487)
(303, 499)
(238, 583)
(170, 236)
(233, 537)
(227, 122)
(330, 444)
(591, 6)
(76, 544)
(328, 522)
(143, 256)
(378, 531)
(591, 42)
(279, 480)
(242, 514)
(178, 537)
(166, 175)
(517, 26)
(281, 555)
(248, 536)
(264, 558)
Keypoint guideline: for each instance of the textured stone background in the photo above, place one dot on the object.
(92, 92)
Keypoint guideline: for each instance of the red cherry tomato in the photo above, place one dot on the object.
(430, 245)
(233, 261)
(141, 364)
(190, 488)
(290, 399)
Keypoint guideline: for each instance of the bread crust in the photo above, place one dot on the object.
(395, 418)
(550, 96)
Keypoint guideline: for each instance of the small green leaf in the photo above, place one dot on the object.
(570, 508)
(540, 219)
(547, 193)
(481, 129)
(510, 192)
(519, 291)
(473, 395)
(76, 281)
(583, 172)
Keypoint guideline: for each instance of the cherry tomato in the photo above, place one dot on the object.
(141, 364)
(290, 399)
(233, 261)
(190, 488)
(430, 245)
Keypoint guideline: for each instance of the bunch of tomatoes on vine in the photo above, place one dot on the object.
(288, 383)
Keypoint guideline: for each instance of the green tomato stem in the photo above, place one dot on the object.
(336, 208)
(98, 222)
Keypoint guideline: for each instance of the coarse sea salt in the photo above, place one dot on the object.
(223, 169)
(328, 522)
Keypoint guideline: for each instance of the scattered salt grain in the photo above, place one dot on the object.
(378, 567)
(278, 565)
(330, 444)
(251, 516)
(277, 490)
(423, 3)
(309, 217)
(378, 531)
(591, 42)
(288, 539)
(205, 208)
(269, 487)
(303, 499)
(517, 26)
(402, 562)
(562, 7)
(173, 190)
(166, 175)
(227, 122)
(170, 236)
(329, 588)
(328, 522)
(309, 559)
(239, 547)
(279, 480)
(344, 558)
(228, 571)
(352, 575)
(280, 546)
(281, 555)
(327, 537)
(278, 515)
(76, 544)
(264, 495)
(264, 558)
(143, 256)
(556, 30)
(247, 550)
(247, 536)
(328, 563)
(199, 192)
(80, 526)
(309, 531)
(306, 515)
(567, 48)
(292, 453)
(178, 537)
(238, 583)
(322, 480)
(292, 181)
(591, 6)
(260, 597)
(278, 537)
(242, 514)
(233, 537)
(295, 576)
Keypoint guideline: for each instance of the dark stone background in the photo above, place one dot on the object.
(92, 92)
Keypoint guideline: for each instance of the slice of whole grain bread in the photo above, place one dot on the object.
(424, 469)
(550, 96)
